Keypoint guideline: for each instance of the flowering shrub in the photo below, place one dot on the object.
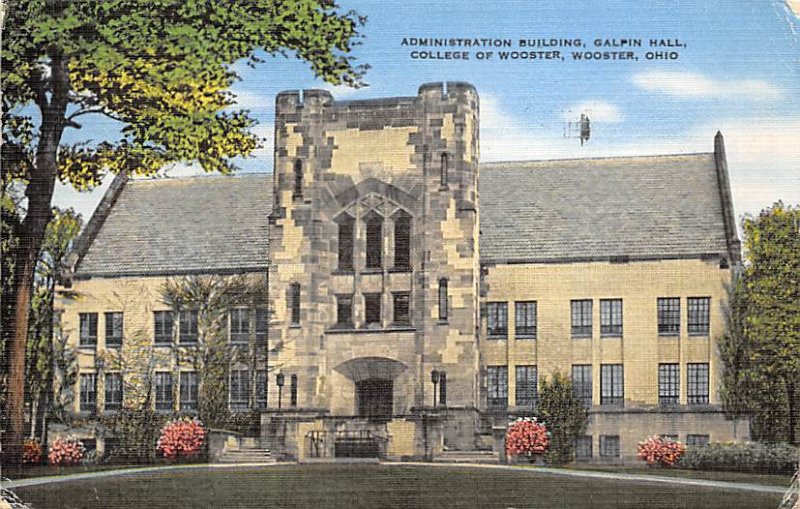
(526, 437)
(66, 451)
(659, 450)
(31, 451)
(181, 438)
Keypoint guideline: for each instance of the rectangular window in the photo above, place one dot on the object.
(611, 317)
(697, 383)
(239, 390)
(581, 318)
(443, 298)
(611, 385)
(88, 391)
(261, 388)
(443, 388)
(669, 437)
(88, 333)
(402, 314)
(609, 446)
(262, 325)
(293, 391)
(188, 327)
(497, 386)
(346, 230)
(527, 393)
(697, 440)
(698, 308)
(294, 303)
(189, 384)
(164, 391)
(582, 383)
(497, 320)
(668, 384)
(240, 325)
(669, 316)
(372, 309)
(113, 329)
(583, 447)
(163, 327)
(344, 311)
(113, 383)
(374, 242)
(525, 320)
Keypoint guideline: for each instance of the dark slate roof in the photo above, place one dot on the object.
(201, 224)
(594, 209)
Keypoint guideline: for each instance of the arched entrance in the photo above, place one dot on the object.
(373, 378)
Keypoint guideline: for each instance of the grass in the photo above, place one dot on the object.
(708, 475)
(354, 486)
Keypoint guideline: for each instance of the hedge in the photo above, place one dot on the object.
(743, 457)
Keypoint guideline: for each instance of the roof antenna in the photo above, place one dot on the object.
(582, 129)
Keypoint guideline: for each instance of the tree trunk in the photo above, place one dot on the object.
(791, 394)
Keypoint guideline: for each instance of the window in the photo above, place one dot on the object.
(88, 391)
(239, 390)
(697, 440)
(497, 319)
(240, 325)
(113, 382)
(611, 317)
(442, 388)
(402, 314)
(113, 329)
(345, 247)
(583, 447)
(262, 325)
(163, 327)
(669, 316)
(443, 168)
(581, 318)
(294, 304)
(443, 299)
(609, 446)
(293, 391)
(525, 320)
(298, 179)
(698, 315)
(697, 383)
(497, 386)
(611, 384)
(669, 437)
(344, 311)
(374, 242)
(88, 324)
(164, 391)
(188, 327)
(402, 242)
(261, 388)
(527, 393)
(582, 383)
(668, 384)
(189, 390)
(372, 309)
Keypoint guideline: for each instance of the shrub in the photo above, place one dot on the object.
(132, 435)
(661, 451)
(526, 437)
(66, 451)
(752, 457)
(31, 451)
(565, 415)
(181, 438)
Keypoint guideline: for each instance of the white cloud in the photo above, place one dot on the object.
(253, 101)
(597, 111)
(341, 91)
(698, 86)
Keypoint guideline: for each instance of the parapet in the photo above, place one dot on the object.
(289, 100)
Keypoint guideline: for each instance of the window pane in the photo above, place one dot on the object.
(188, 326)
(294, 303)
(239, 390)
(611, 317)
(262, 324)
(113, 389)
(497, 319)
(668, 384)
(401, 308)
(525, 320)
(163, 326)
(164, 391)
(88, 329)
(113, 329)
(346, 232)
(669, 316)
(497, 386)
(261, 388)
(611, 385)
(402, 242)
(443, 299)
(697, 440)
(581, 318)
(88, 401)
(293, 391)
(374, 242)
(583, 447)
(609, 445)
(698, 309)
(582, 383)
(697, 383)
(526, 386)
(189, 390)
(372, 311)
(344, 310)
(240, 325)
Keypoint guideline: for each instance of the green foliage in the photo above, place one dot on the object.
(135, 433)
(742, 457)
(562, 412)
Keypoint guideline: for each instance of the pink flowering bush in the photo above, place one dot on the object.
(181, 438)
(31, 451)
(526, 437)
(661, 451)
(66, 451)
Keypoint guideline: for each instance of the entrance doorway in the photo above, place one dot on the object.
(375, 399)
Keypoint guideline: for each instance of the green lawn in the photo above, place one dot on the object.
(352, 486)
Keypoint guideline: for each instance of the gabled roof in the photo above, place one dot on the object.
(207, 224)
(604, 209)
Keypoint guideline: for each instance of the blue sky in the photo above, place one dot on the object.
(739, 73)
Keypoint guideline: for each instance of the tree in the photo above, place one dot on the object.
(162, 70)
(561, 410)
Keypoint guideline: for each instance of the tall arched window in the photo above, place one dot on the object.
(345, 240)
(298, 179)
(374, 242)
(443, 299)
(402, 241)
(444, 170)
